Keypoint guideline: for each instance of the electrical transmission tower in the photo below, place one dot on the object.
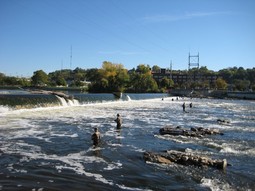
(193, 63)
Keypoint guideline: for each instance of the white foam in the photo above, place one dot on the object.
(40, 189)
(113, 165)
(72, 161)
(64, 135)
(229, 149)
(129, 188)
(215, 184)
(140, 150)
(115, 144)
(4, 109)
(177, 139)
(136, 148)
(119, 137)
(214, 145)
(94, 149)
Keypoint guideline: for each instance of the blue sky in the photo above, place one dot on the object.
(39, 34)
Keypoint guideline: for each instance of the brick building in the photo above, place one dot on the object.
(183, 77)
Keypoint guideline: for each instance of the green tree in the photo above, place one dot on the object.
(227, 75)
(110, 78)
(122, 78)
(241, 85)
(111, 74)
(92, 74)
(40, 78)
(13, 81)
(221, 84)
(240, 74)
(79, 76)
(143, 69)
(251, 75)
(108, 73)
(10, 80)
(156, 68)
(97, 83)
(251, 78)
(166, 83)
(205, 84)
(141, 80)
(57, 78)
(204, 71)
(60, 81)
(2, 78)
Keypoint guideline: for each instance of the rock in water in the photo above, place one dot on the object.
(184, 159)
(193, 132)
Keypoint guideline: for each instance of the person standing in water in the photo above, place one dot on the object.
(190, 105)
(118, 120)
(183, 106)
(96, 137)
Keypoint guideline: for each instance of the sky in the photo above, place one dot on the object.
(51, 35)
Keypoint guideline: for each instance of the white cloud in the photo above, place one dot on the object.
(185, 16)
(121, 52)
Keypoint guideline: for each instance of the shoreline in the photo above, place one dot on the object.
(215, 94)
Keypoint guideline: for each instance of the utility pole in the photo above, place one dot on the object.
(71, 57)
(61, 66)
(171, 69)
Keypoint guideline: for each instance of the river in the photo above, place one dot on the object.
(50, 148)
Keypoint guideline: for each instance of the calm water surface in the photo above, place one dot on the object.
(51, 148)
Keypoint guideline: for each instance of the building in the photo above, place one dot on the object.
(183, 77)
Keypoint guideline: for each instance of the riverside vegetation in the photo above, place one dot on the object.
(113, 77)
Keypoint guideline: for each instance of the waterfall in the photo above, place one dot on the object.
(62, 100)
(68, 102)
(128, 98)
(19, 101)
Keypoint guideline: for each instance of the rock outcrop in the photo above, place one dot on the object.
(193, 132)
(223, 121)
(184, 158)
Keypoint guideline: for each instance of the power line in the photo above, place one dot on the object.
(92, 23)
(127, 14)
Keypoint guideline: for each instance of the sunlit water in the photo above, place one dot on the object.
(51, 148)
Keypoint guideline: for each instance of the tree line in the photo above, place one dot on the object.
(113, 77)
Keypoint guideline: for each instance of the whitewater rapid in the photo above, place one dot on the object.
(51, 148)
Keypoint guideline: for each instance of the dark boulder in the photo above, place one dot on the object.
(184, 159)
(193, 132)
(223, 121)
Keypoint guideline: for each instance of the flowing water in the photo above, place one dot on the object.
(50, 148)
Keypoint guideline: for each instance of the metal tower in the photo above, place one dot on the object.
(71, 57)
(193, 61)
(170, 76)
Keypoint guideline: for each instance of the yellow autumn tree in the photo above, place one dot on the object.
(221, 84)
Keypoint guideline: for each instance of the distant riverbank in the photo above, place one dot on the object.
(75, 89)
(221, 94)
